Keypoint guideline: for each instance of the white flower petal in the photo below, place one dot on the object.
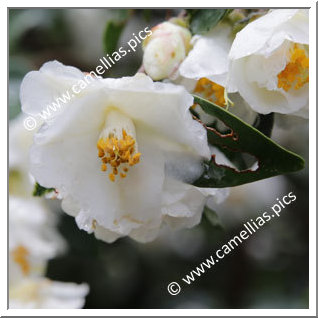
(209, 56)
(51, 81)
(183, 203)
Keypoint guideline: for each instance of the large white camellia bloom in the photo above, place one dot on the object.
(121, 154)
(269, 63)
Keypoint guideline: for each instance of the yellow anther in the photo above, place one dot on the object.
(296, 72)
(117, 153)
(136, 157)
(20, 255)
(114, 163)
(101, 144)
(210, 91)
(100, 153)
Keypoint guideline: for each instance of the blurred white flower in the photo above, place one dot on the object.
(33, 240)
(42, 293)
(32, 229)
(165, 49)
(120, 154)
(269, 63)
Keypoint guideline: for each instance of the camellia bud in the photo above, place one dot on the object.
(165, 49)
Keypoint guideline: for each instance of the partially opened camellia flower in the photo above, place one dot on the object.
(121, 154)
(269, 63)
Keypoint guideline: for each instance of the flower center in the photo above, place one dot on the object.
(20, 256)
(296, 73)
(117, 147)
(210, 91)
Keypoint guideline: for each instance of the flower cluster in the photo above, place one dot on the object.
(266, 62)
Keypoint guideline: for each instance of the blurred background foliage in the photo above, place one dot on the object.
(270, 270)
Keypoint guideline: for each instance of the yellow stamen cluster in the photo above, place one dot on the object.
(296, 73)
(117, 152)
(210, 91)
(20, 255)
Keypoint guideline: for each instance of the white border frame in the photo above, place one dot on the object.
(312, 165)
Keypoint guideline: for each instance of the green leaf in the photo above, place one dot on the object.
(203, 20)
(212, 217)
(39, 191)
(272, 159)
(111, 35)
(113, 30)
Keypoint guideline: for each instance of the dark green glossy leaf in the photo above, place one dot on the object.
(272, 159)
(203, 20)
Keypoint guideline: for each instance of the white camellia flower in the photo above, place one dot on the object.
(269, 63)
(165, 49)
(120, 154)
(33, 229)
(33, 240)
